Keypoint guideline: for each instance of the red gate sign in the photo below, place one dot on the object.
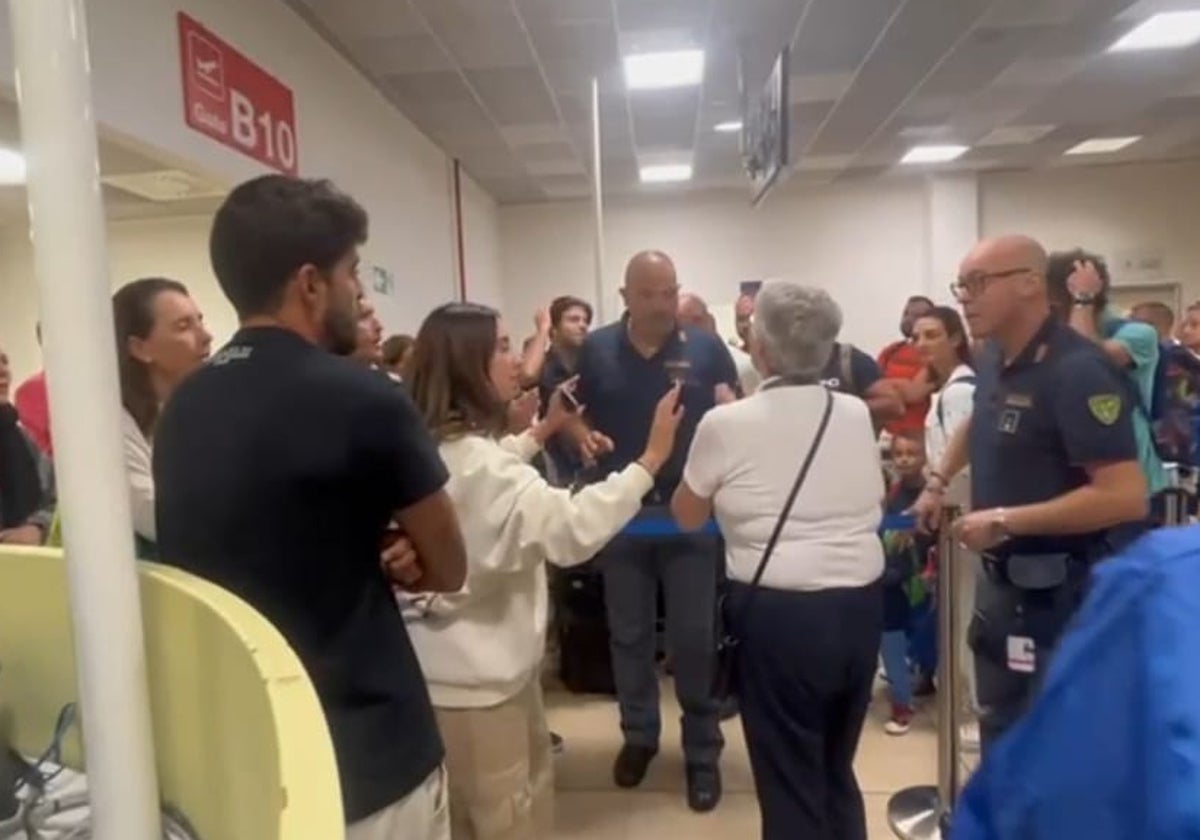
(234, 101)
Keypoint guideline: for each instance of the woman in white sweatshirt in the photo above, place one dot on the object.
(481, 648)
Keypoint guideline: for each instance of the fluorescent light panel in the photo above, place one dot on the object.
(1101, 145)
(12, 167)
(1165, 31)
(651, 71)
(934, 154)
(666, 173)
(728, 127)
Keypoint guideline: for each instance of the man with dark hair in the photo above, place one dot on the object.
(1079, 284)
(278, 468)
(570, 320)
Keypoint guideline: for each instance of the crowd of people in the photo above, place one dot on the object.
(392, 506)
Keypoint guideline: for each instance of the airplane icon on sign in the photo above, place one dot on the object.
(207, 63)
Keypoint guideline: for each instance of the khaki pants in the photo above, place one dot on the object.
(500, 768)
(422, 815)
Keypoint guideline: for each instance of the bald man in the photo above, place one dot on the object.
(1055, 480)
(624, 369)
(693, 312)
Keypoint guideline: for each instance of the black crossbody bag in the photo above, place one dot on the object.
(727, 645)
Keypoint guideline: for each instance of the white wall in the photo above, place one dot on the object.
(481, 242)
(346, 131)
(174, 248)
(865, 243)
(1115, 210)
(871, 244)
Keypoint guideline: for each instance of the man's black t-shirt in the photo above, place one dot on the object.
(277, 468)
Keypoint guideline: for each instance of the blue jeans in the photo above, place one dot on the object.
(686, 567)
(895, 666)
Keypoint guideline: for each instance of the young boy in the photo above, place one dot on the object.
(904, 590)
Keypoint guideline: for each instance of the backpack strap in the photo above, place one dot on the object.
(968, 379)
(846, 368)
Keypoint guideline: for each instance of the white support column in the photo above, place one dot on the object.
(600, 294)
(953, 227)
(67, 226)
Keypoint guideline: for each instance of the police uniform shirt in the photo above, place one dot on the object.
(1058, 406)
(621, 389)
(278, 467)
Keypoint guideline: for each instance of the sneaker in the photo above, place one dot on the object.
(556, 743)
(703, 787)
(900, 721)
(631, 765)
(968, 737)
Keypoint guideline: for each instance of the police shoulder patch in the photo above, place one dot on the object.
(1106, 408)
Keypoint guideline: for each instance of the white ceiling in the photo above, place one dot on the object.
(504, 84)
(115, 160)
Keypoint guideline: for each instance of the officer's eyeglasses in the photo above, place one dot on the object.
(974, 284)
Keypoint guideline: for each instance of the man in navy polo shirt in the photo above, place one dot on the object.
(624, 368)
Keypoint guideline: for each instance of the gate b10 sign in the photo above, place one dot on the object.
(234, 101)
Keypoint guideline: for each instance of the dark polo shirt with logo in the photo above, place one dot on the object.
(277, 467)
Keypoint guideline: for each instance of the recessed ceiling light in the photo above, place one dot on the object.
(728, 127)
(1165, 31)
(648, 71)
(933, 154)
(665, 173)
(12, 167)
(1101, 145)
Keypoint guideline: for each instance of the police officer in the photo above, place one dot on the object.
(1054, 472)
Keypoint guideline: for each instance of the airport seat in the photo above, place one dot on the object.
(242, 747)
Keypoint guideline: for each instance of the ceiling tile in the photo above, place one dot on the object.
(514, 95)
(915, 43)
(386, 55)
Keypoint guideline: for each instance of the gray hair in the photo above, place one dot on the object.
(797, 326)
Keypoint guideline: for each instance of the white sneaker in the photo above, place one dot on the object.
(968, 737)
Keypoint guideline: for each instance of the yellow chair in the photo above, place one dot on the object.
(241, 744)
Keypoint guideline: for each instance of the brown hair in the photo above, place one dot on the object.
(395, 347)
(952, 323)
(449, 373)
(564, 304)
(133, 317)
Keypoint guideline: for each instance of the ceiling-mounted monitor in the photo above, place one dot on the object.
(765, 131)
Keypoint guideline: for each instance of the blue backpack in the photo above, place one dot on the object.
(1110, 749)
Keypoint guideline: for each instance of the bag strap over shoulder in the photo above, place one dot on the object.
(791, 500)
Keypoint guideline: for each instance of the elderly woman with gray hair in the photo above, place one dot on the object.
(793, 477)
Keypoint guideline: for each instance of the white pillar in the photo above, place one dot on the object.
(952, 214)
(600, 293)
(67, 226)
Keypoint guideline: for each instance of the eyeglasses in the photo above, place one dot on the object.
(973, 284)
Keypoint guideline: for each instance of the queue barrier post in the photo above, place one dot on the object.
(922, 812)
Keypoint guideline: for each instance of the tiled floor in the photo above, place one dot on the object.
(589, 807)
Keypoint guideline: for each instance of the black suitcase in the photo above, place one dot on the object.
(581, 627)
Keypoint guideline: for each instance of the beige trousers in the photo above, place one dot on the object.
(500, 768)
(422, 815)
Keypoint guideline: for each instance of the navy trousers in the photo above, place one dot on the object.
(805, 668)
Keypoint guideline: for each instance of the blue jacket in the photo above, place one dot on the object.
(1111, 747)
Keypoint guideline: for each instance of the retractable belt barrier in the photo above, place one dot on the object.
(923, 812)
(654, 525)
